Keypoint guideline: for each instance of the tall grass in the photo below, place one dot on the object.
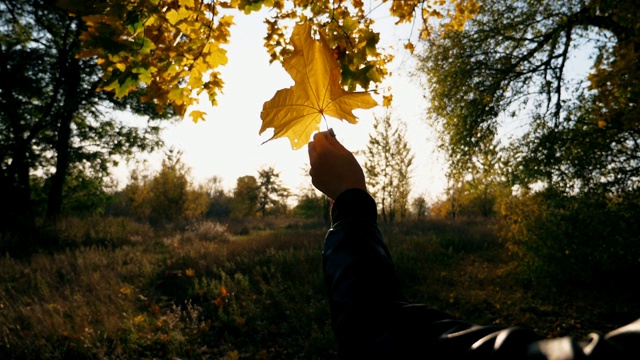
(191, 294)
(246, 291)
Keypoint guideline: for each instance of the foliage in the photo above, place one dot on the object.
(348, 28)
(296, 112)
(245, 197)
(51, 116)
(463, 201)
(587, 237)
(511, 65)
(272, 195)
(312, 205)
(173, 196)
(474, 191)
(169, 50)
(388, 167)
(206, 231)
(168, 196)
(419, 207)
(219, 200)
(153, 45)
(84, 195)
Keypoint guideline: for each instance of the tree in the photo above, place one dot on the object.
(272, 195)
(420, 207)
(245, 196)
(388, 167)
(219, 200)
(579, 133)
(474, 190)
(576, 141)
(133, 200)
(173, 195)
(165, 197)
(312, 205)
(52, 112)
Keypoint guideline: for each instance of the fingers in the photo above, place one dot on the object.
(324, 145)
(318, 143)
(322, 136)
(333, 167)
(328, 138)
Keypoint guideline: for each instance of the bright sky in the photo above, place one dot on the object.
(227, 144)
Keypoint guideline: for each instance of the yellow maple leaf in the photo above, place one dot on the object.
(197, 115)
(175, 16)
(296, 112)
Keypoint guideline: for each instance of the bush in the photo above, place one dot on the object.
(207, 231)
(73, 232)
(582, 238)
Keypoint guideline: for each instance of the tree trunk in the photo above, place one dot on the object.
(16, 215)
(71, 73)
(54, 201)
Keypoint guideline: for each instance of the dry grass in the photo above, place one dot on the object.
(252, 291)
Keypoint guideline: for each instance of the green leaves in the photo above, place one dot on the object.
(512, 67)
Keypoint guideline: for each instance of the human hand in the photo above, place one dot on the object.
(334, 169)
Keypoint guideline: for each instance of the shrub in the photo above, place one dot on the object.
(207, 231)
(73, 232)
(564, 238)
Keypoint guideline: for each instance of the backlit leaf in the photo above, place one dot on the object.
(197, 115)
(296, 112)
(174, 16)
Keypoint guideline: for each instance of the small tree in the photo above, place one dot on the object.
(84, 195)
(166, 196)
(272, 195)
(388, 167)
(311, 205)
(420, 207)
(133, 200)
(219, 200)
(245, 197)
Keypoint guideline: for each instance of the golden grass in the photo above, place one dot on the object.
(123, 290)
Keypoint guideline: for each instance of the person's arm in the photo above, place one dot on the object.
(357, 267)
(370, 316)
(360, 278)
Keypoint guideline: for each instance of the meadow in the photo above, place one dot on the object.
(111, 288)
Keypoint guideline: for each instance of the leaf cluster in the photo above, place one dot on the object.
(172, 49)
(510, 67)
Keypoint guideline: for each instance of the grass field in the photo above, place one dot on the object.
(253, 290)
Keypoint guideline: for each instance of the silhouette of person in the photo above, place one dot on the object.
(370, 316)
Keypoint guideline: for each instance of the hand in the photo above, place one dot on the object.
(334, 169)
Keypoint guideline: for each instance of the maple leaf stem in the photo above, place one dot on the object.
(326, 123)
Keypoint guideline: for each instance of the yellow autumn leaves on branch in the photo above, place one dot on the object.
(169, 51)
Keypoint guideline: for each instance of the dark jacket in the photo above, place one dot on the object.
(373, 320)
